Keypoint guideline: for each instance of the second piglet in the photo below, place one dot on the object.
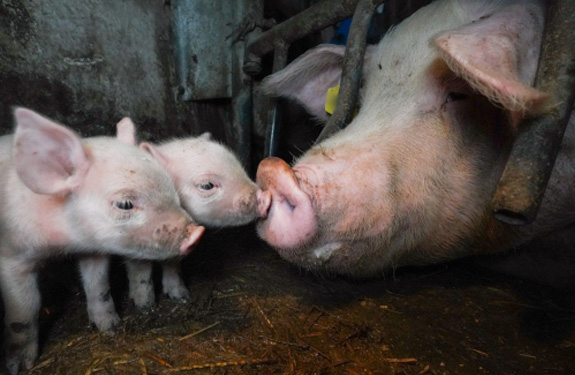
(62, 194)
(213, 188)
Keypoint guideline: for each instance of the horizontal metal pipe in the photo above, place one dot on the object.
(315, 18)
(520, 191)
(352, 69)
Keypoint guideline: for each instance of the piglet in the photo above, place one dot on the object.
(61, 194)
(213, 188)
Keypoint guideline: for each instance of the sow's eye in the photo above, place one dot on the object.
(206, 186)
(124, 205)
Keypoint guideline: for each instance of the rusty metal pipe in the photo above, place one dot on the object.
(520, 191)
(352, 69)
(317, 17)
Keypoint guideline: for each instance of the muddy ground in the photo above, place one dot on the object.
(252, 313)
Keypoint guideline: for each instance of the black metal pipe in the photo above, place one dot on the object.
(520, 191)
(274, 127)
(317, 17)
(242, 93)
(352, 69)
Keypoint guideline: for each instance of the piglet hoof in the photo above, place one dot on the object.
(145, 306)
(21, 358)
(172, 283)
(21, 345)
(178, 292)
(107, 324)
(143, 297)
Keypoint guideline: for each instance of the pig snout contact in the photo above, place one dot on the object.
(246, 202)
(287, 212)
(264, 201)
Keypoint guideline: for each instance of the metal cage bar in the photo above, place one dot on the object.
(520, 191)
(314, 19)
(351, 74)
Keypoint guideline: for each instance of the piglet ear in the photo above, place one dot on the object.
(49, 158)
(156, 153)
(206, 136)
(498, 56)
(126, 131)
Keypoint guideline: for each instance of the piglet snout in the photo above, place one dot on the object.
(194, 234)
(264, 198)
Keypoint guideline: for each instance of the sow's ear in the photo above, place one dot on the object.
(308, 77)
(49, 158)
(126, 131)
(498, 56)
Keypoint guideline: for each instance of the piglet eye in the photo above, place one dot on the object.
(124, 205)
(206, 186)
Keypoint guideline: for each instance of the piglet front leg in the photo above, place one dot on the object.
(140, 283)
(100, 305)
(172, 283)
(21, 295)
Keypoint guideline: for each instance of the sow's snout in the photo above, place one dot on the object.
(287, 218)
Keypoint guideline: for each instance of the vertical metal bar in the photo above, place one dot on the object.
(274, 125)
(242, 101)
(181, 49)
(520, 191)
(352, 68)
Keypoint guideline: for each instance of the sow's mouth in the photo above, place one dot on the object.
(287, 217)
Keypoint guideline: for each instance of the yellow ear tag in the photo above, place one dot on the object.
(331, 99)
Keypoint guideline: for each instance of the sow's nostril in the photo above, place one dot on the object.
(264, 201)
(194, 234)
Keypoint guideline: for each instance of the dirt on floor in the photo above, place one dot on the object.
(253, 313)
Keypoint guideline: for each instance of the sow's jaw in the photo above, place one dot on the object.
(288, 223)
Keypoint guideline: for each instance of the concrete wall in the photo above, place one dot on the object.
(88, 63)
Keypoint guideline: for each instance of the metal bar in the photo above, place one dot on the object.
(274, 127)
(242, 88)
(316, 17)
(520, 191)
(352, 69)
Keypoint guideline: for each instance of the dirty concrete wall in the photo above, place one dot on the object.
(88, 63)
